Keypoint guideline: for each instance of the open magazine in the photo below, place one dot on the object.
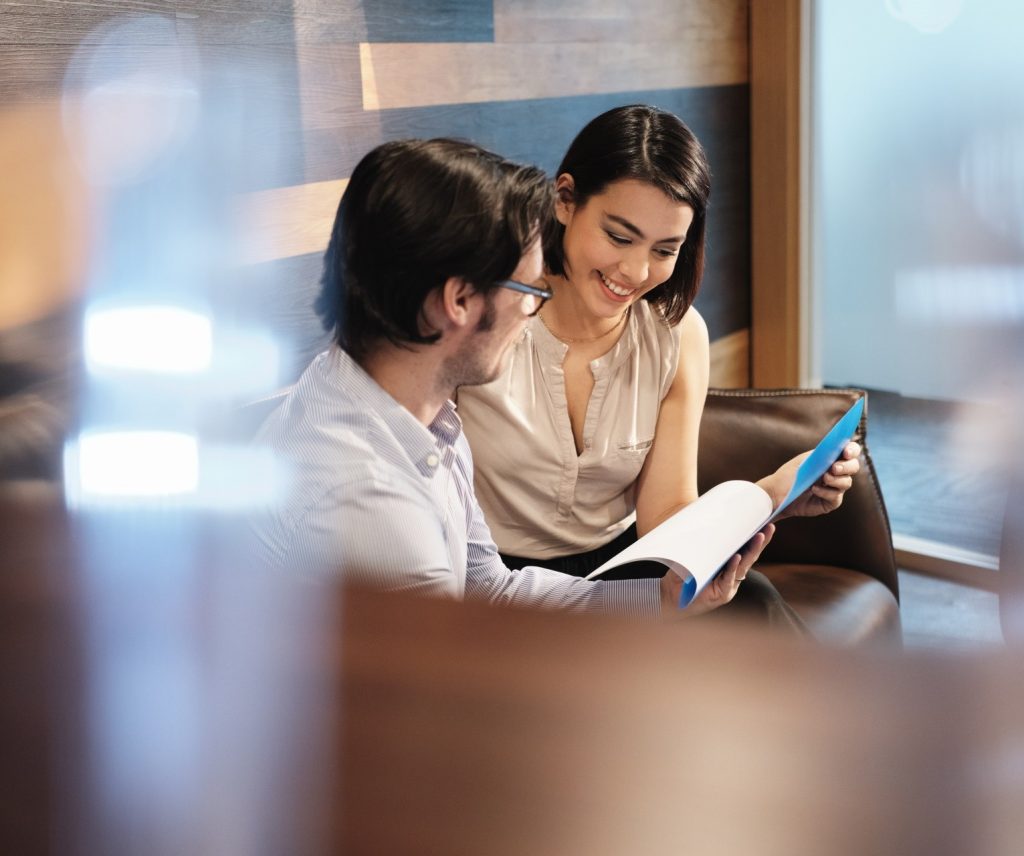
(697, 541)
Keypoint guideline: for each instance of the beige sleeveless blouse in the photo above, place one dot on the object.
(540, 499)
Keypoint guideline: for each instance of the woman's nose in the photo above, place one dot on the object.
(634, 267)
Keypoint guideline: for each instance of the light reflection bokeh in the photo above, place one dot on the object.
(126, 110)
(130, 464)
(158, 480)
(147, 339)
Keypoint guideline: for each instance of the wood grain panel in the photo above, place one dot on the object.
(717, 116)
(730, 361)
(352, 21)
(440, 20)
(277, 296)
(665, 21)
(72, 22)
(252, 22)
(288, 221)
(337, 132)
(331, 91)
(249, 95)
(776, 193)
(300, 66)
(430, 74)
(539, 131)
(31, 72)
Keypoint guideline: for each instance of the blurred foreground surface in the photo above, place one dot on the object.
(224, 712)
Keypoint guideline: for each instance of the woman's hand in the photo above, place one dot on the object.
(825, 495)
(722, 588)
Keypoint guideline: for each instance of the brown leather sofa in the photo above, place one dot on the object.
(837, 570)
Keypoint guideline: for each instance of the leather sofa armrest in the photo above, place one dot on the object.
(748, 433)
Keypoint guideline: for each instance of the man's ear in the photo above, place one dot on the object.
(454, 303)
(565, 195)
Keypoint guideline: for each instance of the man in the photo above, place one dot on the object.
(425, 285)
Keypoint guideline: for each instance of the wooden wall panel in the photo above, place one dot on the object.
(717, 115)
(288, 221)
(278, 295)
(668, 22)
(424, 75)
(39, 39)
(435, 21)
(730, 358)
(518, 76)
(74, 22)
(253, 22)
(331, 91)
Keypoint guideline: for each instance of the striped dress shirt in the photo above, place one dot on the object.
(375, 495)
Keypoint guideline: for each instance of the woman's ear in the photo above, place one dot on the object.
(565, 196)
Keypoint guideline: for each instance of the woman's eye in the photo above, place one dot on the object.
(666, 254)
(618, 239)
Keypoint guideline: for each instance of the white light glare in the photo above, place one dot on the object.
(165, 469)
(164, 339)
(131, 465)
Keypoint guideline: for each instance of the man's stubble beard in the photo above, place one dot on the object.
(472, 365)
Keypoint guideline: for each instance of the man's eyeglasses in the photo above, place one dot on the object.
(533, 298)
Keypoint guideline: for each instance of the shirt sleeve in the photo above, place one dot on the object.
(489, 580)
(387, 533)
(380, 534)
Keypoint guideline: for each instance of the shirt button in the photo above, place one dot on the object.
(432, 461)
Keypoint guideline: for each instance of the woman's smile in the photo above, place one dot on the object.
(620, 292)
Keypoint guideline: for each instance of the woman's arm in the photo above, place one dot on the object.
(668, 480)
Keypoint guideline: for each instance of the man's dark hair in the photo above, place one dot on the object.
(653, 146)
(415, 213)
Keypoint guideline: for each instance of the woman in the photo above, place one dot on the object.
(597, 414)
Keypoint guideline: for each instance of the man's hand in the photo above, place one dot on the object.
(720, 590)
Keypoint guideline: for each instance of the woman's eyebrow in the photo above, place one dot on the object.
(629, 227)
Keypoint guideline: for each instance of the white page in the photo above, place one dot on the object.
(697, 540)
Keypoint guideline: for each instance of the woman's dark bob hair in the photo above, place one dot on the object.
(415, 213)
(653, 146)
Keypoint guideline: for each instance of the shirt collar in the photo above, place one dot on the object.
(447, 425)
(555, 349)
